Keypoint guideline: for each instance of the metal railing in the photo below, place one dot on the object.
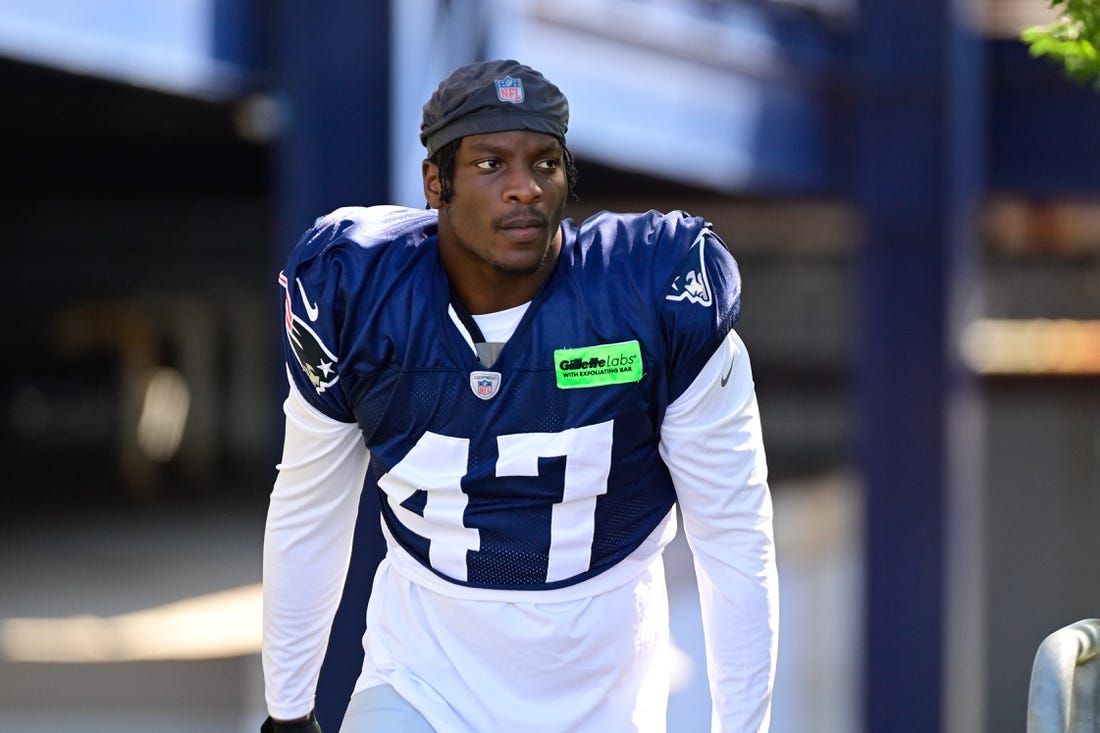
(1065, 681)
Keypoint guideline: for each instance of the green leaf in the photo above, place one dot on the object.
(1072, 40)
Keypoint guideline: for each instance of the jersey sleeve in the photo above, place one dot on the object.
(311, 289)
(700, 304)
(331, 266)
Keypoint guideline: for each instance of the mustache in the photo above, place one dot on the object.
(525, 218)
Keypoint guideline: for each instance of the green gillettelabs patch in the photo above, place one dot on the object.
(598, 366)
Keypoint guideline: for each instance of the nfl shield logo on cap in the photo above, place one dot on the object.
(510, 89)
(485, 384)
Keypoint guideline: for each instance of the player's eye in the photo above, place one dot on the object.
(488, 164)
(550, 164)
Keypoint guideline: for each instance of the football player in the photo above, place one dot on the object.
(534, 397)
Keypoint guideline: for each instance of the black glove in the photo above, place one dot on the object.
(309, 725)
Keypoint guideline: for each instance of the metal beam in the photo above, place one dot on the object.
(333, 78)
(917, 181)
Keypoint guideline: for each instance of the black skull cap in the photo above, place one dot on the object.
(493, 96)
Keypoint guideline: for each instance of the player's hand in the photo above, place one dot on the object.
(307, 724)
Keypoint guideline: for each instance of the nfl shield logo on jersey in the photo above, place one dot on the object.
(510, 89)
(485, 384)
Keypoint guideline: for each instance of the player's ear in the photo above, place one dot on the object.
(433, 187)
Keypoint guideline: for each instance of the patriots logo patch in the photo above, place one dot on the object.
(691, 283)
(317, 360)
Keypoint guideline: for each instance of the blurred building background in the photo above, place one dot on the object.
(914, 203)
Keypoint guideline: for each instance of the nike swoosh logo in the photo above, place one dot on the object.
(312, 310)
(728, 373)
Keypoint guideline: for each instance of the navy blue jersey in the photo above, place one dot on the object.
(541, 469)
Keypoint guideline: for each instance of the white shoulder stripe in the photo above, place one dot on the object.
(378, 224)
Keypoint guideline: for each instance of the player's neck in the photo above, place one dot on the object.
(488, 296)
(484, 289)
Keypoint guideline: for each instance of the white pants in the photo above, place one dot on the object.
(381, 709)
